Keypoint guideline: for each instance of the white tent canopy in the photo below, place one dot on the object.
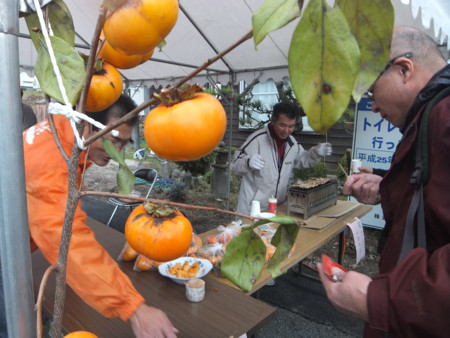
(206, 27)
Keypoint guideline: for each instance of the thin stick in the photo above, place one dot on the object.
(158, 201)
(343, 170)
(38, 306)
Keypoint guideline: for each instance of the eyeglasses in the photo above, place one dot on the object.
(407, 55)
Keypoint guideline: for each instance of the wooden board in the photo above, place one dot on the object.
(339, 209)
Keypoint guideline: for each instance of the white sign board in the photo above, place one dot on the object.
(374, 143)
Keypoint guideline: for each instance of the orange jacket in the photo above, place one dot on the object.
(91, 272)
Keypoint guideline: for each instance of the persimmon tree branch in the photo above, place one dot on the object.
(73, 196)
(61, 150)
(92, 57)
(158, 201)
(61, 265)
(152, 101)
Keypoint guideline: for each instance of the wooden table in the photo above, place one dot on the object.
(308, 241)
(225, 311)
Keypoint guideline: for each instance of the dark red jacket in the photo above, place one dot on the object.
(412, 298)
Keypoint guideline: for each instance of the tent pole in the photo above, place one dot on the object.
(14, 238)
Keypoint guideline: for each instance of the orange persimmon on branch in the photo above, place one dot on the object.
(147, 22)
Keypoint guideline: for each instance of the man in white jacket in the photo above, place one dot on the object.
(267, 158)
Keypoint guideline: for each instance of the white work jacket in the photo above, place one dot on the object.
(273, 179)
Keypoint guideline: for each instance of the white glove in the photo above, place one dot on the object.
(256, 162)
(323, 149)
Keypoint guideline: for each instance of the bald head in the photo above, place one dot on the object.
(426, 52)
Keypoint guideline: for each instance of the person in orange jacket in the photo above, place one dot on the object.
(91, 272)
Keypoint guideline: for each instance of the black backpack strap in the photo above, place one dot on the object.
(419, 178)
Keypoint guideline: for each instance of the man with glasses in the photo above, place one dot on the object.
(91, 272)
(267, 158)
(410, 297)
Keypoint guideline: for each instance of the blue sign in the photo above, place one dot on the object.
(374, 142)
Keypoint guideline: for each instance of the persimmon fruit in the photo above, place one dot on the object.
(158, 235)
(139, 26)
(105, 88)
(81, 334)
(187, 130)
(121, 60)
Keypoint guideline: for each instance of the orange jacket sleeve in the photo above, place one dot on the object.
(91, 272)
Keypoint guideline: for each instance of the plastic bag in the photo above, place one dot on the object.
(196, 243)
(212, 252)
(143, 263)
(225, 233)
(127, 253)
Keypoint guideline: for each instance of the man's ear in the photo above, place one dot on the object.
(87, 131)
(407, 68)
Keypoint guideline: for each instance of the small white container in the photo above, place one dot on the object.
(256, 209)
(195, 290)
(355, 166)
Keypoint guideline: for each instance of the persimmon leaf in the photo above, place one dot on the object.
(372, 23)
(60, 21)
(125, 178)
(272, 15)
(323, 64)
(244, 259)
(70, 64)
(283, 239)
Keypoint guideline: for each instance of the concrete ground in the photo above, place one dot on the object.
(302, 307)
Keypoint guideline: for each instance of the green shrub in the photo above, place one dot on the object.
(318, 170)
(198, 167)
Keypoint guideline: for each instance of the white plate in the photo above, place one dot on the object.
(205, 266)
(266, 215)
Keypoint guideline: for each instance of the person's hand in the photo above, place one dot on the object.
(349, 295)
(364, 187)
(256, 162)
(149, 321)
(323, 149)
(365, 170)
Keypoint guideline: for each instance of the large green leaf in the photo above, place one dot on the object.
(71, 66)
(244, 259)
(323, 64)
(272, 15)
(371, 22)
(125, 178)
(60, 21)
(283, 239)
